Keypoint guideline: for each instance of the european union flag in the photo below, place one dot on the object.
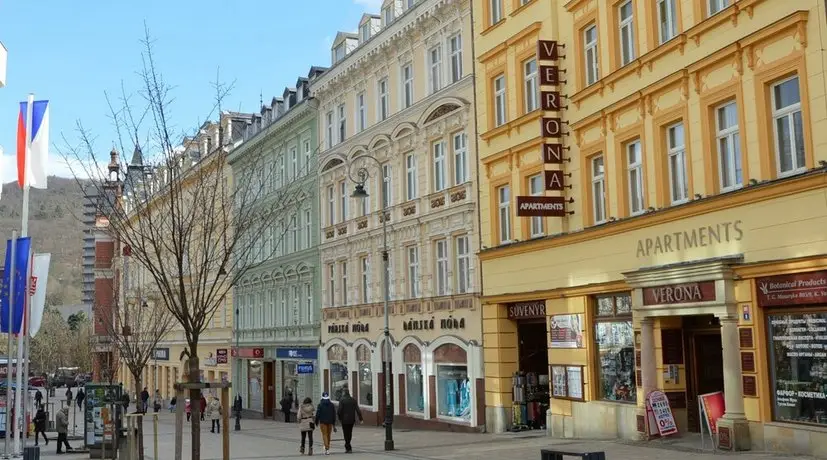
(20, 275)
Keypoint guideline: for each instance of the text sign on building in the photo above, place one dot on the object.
(221, 355)
(248, 352)
(297, 353)
(553, 154)
(541, 206)
(795, 289)
(161, 354)
(304, 368)
(527, 310)
(554, 180)
(671, 294)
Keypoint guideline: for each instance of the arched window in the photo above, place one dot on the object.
(453, 384)
(414, 390)
(365, 375)
(337, 360)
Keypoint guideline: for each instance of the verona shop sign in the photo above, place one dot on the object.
(795, 289)
(671, 294)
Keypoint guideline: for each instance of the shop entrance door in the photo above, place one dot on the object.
(269, 389)
(706, 371)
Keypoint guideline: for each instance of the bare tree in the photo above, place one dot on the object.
(48, 348)
(193, 227)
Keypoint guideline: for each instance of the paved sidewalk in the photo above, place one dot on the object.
(261, 440)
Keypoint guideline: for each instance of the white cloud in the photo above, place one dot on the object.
(371, 5)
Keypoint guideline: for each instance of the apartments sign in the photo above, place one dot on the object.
(551, 128)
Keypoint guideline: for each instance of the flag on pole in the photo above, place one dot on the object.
(19, 274)
(37, 304)
(38, 143)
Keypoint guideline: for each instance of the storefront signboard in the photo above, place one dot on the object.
(672, 294)
(712, 408)
(541, 206)
(304, 368)
(347, 327)
(162, 354)
(255, 353)
(221, 355)
(657, 404)
(297, 353)
(795, 289)
(566, 331)
(527, 310)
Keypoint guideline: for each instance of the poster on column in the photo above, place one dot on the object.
(658, 404)
(713, 408)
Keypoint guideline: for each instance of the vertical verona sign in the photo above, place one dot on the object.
(551, 128)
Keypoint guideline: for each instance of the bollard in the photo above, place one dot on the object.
(31, 453)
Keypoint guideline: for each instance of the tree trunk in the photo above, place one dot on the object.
(194, 375)
(139, 408)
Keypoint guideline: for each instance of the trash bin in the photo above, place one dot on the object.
(31, 453)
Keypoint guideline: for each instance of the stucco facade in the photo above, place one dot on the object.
(401, 91)
(694, 136)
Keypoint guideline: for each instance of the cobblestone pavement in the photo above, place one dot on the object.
(260, 440)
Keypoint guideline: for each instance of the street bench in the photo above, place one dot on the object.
(550, 454)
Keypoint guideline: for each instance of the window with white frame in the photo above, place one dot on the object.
(294, 291)
(460, 158)
(463, 251)
(788, 126)
(329, 125)
(667, 20)
(627, 32)
(268, 243)
(294, 162)
(282, 170)
(439, 165)
(413, 272)
(715, 6)
(455, 43)
(729, 146)
(281, 229)
(634, 176)
(496, 11)
(411, 4)
(271, 185)
(308, 302)
(361, 112)
(383, 99)
(331, 205)
(364, 32)
(410, 176)
(386, 186)
(307, 154)
(342, 123)
(343, 281)
(435, 66)
(590, 54)
(296, 238)
(343, 201)
(308, 229)
(365, 265)
(407, 85)
(678, 185)
(598, 190)
(536, 187)
(283, 309)
(331, 285)
(441, 249)
(499, 101)
(387, 15)
(530, 87)
(504, 208)
(272, 299)
(338, 55)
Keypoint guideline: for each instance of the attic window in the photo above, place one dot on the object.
(338, 52)
(387, 15)
(364, 32)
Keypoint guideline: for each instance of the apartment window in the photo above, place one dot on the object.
(677, 163)
(667, 20)
(282, 170)
(634, 172)
(343, 201)
(627, 34)
(413, 272)
(296, 238)
(463, 264)
(361, 112)
(331, 206)
(530, 88)
(439, 166)
(435, 64)
(441, 247)
(338, 55)
(410, 176)
(460, 158)
(383, 99)
(386, 186)
(331, 286)
(715, 6)
(307, 154)
(308, 230)
(294, 162)
(729, 146)
(456, 57)
(364, 32)
(536, 187)
(504, 207)
(598, 190)
(365, 265)
(308, 305)
(343, 280)
(499, 101)
(590, 54)
(407, 85)
(387, 15)
(342, 123)
(788, 126)
(496, 11)
(329, 124)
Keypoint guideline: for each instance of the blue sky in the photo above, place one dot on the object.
(71, 52)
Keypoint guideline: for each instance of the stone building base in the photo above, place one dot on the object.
(595, 421)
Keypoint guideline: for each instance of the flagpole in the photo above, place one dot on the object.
(9, 418)
(24, 403)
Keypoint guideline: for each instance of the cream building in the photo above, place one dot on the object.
(401, 91)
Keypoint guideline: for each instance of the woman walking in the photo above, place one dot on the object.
(215, 415)
(306, 424)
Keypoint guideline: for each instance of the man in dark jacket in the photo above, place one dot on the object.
(40, 425)
(348, 413)
(325, 420)
(287, 405)
(144, 400)
(80, 397)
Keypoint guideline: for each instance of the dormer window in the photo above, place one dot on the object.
(387, 15)
(411, 3)
(364, 32)
(338, 52)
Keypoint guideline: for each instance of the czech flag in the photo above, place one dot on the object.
(37, 142)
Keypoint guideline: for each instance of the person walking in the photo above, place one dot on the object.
(158, 402)
(326, 420)
(68, 396)
(172, 403)
(188, 408)
(348, 413)
(40, 425)
(144, 400)
(81, 396)
(214, 409)
(287, 405)
(306, 424)
(62, 425)
(203, 407)
(38, 398)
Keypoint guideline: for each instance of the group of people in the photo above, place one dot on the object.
(211, 409)
(325, 416)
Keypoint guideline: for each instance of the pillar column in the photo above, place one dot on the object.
(648, 361)
(734, 422)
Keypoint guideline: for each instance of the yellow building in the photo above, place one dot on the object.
(690, 257)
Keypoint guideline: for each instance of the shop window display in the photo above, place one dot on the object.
(453, 384)
(365, 376)
(337, 358)
(798, 355)
(614, 337)
(414, 388)
(254, 384)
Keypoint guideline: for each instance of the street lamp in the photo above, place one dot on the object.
(237, 402)
(362, 176)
